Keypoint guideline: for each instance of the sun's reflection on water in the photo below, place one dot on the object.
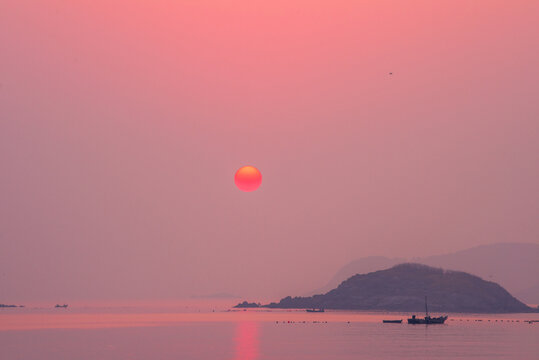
(246, 341)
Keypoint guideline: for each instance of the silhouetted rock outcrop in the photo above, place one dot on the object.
(246, 304)
(10, 306)
(403, 288)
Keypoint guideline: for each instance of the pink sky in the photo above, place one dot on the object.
(122, 124)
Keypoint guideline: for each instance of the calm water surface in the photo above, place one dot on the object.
(190, 333)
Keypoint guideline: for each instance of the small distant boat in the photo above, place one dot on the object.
(428, 319)
(392, 321)
(60, 306)
(315, 310)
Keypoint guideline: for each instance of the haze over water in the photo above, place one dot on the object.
(388, 128)
(195, 331)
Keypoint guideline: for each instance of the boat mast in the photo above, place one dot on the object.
(426, 308)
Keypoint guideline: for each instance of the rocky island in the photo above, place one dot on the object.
(246, 304)
(404, 287)
(10, 306)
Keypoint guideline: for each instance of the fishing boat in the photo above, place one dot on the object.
(392, 321)
(428, 319)
(314, 310)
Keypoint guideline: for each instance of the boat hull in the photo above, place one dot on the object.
(427, 320)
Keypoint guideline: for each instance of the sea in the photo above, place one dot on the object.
(204, 330)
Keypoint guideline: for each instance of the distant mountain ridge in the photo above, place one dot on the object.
(403, 287)
(515, 266)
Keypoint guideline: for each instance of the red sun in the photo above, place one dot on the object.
(248, 178)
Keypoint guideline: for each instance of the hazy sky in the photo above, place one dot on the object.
(122, 124)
